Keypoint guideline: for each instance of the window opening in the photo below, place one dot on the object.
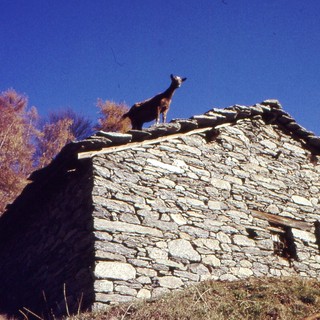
(252, 234)
(283, 243)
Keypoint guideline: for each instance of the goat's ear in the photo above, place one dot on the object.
(171, 76)
(184, 79)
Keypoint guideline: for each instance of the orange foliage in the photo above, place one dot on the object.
(24, 148)
(16, 149)
(81, 126)
(53, 137)
(111, 116)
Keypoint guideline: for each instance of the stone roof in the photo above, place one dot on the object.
(269, 110)
(107, 142)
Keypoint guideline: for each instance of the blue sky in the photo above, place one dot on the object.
(68, 53)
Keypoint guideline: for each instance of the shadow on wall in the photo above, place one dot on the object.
(46, 246)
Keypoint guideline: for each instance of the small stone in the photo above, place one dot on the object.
(165, 166)
(144, 280)
(170, 282)
(146, 272)
(211, 260)
(161, 129)
(206, 121)
(194, 202)
(183, 249)
(199, 268)
(140, 135)
(156, 253)
(162, 244)
(294, 148)
(301, 200)
(167, 182)
(116, 137)
(272, 208)
(228, 277)
(187, 275)
(216, 205)
(178, 218)
(170, 263)
(186, 124)
(274, 103)
(194, 231)
(125, 290)
(211, 244)
(242, 272)
(144, 294)
(269, 144)
(158, 292)
(103, 286)
(221, 184)
(222, 237)
(114, 205)
(112, 298)
(241, 240)
(304, 235)
(117, 226)
(245, 264)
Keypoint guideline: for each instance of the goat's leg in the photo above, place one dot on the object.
(158, 116)
(136, 125)
(164, 116)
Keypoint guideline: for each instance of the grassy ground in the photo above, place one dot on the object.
(267, 298)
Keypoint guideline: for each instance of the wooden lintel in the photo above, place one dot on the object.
(282, 221)
(131, 145)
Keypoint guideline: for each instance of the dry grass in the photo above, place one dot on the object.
(267, 298)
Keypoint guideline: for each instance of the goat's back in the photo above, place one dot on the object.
(143, 112)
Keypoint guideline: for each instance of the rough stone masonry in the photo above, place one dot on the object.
(227, 195)
(188, 209)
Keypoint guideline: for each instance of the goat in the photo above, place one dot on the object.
(151, 109)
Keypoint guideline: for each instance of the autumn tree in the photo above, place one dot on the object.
(81, 126)
(111, 116)
(26, 145)
(17, 130)
(58, 129)
(52, 138)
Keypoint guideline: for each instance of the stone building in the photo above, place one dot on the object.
(230, 194)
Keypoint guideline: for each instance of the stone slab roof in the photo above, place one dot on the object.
(269, 110)
(107, 142)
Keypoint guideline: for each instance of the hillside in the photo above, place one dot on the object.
(264, 298)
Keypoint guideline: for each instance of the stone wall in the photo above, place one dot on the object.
(46, 245)
(196, 207)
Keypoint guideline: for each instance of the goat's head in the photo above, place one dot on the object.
(176, 80)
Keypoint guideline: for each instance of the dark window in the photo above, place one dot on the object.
(252, 234)
(283, 243)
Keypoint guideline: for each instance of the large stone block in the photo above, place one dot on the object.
(114, 270)
(114, 226)
(183, 249)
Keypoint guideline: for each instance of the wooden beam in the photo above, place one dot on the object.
(282, 221)
(131, 145)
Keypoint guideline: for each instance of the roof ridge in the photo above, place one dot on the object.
(269, 110)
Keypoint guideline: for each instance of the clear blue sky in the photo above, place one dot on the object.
(68, 53)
